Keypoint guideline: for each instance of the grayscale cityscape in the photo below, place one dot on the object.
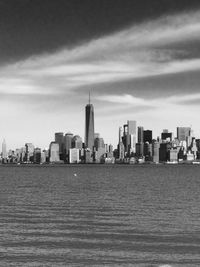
(99, 133)
(136, 145)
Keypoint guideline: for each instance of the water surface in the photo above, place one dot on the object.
(100, 215)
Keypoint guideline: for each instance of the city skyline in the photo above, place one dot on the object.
(140, 59)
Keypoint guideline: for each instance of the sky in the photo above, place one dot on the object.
(139, 59)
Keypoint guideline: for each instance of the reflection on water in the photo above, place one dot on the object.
(102, 216)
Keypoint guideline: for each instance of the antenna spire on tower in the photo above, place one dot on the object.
(89, 97)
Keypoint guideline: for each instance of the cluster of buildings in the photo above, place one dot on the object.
(166, 148)
(135, 145)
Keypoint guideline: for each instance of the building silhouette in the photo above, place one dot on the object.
(147, 135)
(183, 133)
(4, 151)
(67, 145)
(120, 145)
(165, 135)
(89, 126)
(59, 138)
(29, 152)
(129, 138)
(77, 142)
(54, 152)
(140, 134)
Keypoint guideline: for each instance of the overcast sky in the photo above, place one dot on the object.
(140, 59)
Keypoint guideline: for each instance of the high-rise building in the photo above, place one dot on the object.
(140, 134)
(120, 145)
(173, 155)
(183, 133)
(147, 135)
(89, 126)
(139, 150)
(54, 152)
(129, 138)
(74, 155)
(193, 147)
(99, 143)
(43, 157)
(148, 151)
(59, 138)
(166, 136)
(155, 150)
(4, 151)
(164, 152)
(77, 142)
(29, 152)
(37, 155)
(99, 148)
(67, 143)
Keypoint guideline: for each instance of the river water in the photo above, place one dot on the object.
(97, 215)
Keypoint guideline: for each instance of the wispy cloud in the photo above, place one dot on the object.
(131, 100)
(138, 51)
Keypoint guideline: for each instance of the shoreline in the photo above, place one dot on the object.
(98, 164)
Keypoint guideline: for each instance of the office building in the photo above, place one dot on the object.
(89, 126)
(43, 157)
(173, 155)
(54, 152)
(140, 134)
(37, 155)
(87, 156)
(99, 143)
(166, 136)
(129, 138)
(164, 152)
(4, 150)
(155, 151)
(139, 150)
(67, 145)
(77, 142)
(183, 133)
(74, 155)
(148, 151)
(120, 145)
(29, 152)
(59, 138)
(193, 147)
(147, 136)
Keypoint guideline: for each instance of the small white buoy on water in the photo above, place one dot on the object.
(75, 174)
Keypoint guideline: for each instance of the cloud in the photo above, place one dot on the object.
(136, 52)
(171, 101)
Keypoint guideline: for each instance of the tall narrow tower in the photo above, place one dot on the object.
(89, 125)
(4, 151)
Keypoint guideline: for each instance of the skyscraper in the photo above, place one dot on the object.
(183, 133)
(29, 152)
(54, 152)
(129, 138)
(4, 151)
(166, 135)
(140, 134)
(89, 126)
(147, 135)
(77, 142)
(59, 138)
(67, 144)
(121, 145)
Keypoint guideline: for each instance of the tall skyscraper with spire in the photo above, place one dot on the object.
(89, 126)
